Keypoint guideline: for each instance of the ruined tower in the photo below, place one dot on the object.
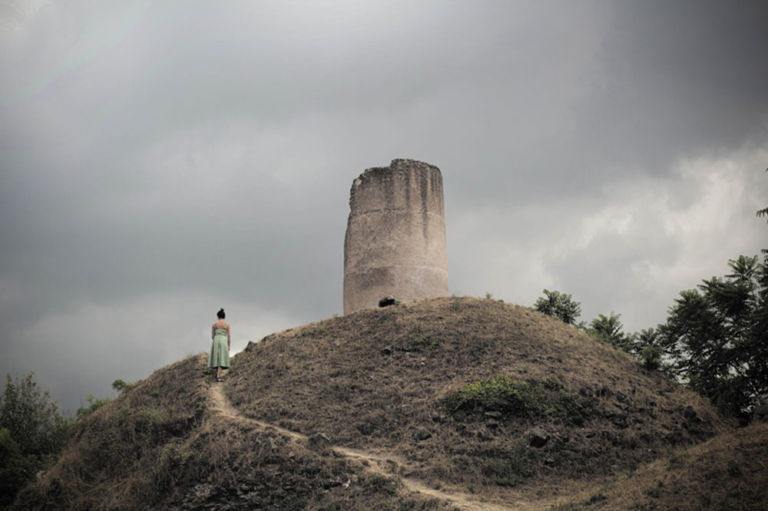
(395, 241)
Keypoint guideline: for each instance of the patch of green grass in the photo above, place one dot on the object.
(313, 332)
(521, 399)
(499, 393)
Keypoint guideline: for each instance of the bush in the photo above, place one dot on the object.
(15, 468)
(120, 385)
(651, 357)
(558, 305)
(521, 399)
(93, 405)
(32, 433)
(499, 393)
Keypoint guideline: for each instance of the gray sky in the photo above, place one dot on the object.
(159, 160)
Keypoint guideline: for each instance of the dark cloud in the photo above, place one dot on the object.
(159, 160)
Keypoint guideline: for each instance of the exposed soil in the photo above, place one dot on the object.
(375, 463)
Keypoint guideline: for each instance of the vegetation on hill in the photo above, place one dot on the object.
(32, 433)
(160, 445)
(390, 378)
(725, 473)
(715, 338)
(441, 404)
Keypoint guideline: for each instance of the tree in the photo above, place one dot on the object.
(610, 330)
(764, 211)
(645, 345)
(717, 336)
(32, 433)
(120, 385)
(93, 405)
(558, 305)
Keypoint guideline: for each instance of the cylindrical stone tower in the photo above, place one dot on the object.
(395, 241)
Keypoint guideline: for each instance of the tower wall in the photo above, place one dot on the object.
(395, 240)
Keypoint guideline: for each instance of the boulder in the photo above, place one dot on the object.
(421, 434)
(537, 437)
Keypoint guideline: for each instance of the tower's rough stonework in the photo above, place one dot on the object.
(395, 241)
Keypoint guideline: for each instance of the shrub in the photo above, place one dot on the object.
(120, 385)
(651, 357)
(32, 433)
(499, 393)
(559, 305)
(93, 405)
(521, 399)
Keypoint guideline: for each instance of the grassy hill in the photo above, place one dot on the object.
(441, 404)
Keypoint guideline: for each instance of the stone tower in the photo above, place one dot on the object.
(395, 241)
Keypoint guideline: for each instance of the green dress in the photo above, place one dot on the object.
(219, 356)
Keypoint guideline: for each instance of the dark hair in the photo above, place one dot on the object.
(221, 314)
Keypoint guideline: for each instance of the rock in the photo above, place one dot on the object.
(250, 346)
(387, 301)
(690, 414)
(386, 350)
(319, 439)
(333, 483)
(202, 491)
(421, 434)
(493, 414)
(537, 437)
(365, 428)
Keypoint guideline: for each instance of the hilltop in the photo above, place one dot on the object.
(439, 404)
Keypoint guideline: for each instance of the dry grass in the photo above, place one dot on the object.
(726, 473)
(119, 456)
(161, 446)
(382, 381)
(376, 378)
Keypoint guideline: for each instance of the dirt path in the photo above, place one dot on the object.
(377, 463)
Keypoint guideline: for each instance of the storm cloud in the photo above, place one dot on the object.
(159, 160)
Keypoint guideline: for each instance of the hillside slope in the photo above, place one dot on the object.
(727, 472)
(441, 404)
(389, 379)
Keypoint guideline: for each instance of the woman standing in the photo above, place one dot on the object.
(220, 333)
